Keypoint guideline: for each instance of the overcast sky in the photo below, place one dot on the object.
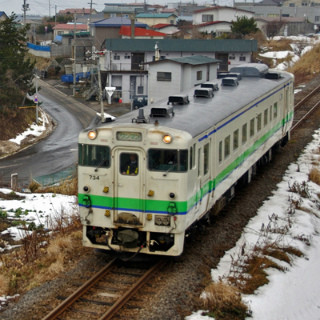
(48, 7)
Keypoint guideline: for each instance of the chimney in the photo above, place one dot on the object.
(132, 18)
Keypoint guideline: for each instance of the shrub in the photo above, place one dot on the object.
(224, 302)
(314, 175)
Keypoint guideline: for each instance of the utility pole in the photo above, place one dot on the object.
(100, 91)
(55, 15)
(25, 8)
(74, 56)
(91, 3)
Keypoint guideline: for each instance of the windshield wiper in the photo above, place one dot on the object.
(100, 164)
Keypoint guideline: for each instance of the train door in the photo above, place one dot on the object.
(129, 200)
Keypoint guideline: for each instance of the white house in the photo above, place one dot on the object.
(176, 75)
(221, 16)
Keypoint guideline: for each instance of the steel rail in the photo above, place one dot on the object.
(304, 116)
(308, 96)
(79, 292)
(124, 299)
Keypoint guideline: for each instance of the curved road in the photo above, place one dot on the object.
(59, 150)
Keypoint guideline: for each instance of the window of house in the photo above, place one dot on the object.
(244, 133)
(227, 146)
(207, 17)
(140, 89)
(291, 5)
(163, 76)
(199, 75)
(236, 139)
(252, 127)
(259, 121)
(242, 58)
(317, 18)
(265, 117)
(127, 56)
(220, 151)
(232, 57)
(116, 57)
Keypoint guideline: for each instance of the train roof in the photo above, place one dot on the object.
(202, 113)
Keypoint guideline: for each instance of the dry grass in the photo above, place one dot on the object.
(19, 275)
(67, 187)
(224, 302)
(276, 45)
(248, 273)
(4, 285)
(314, 175)
(307, 67)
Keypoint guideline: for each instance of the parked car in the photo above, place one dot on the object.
(139, 102)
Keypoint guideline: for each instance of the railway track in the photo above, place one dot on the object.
(105, 293)
(304, 108)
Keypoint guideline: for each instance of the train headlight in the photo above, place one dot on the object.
(161, 220)
(167, 138)
(92, 134)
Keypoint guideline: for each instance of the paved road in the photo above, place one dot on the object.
(59, 150)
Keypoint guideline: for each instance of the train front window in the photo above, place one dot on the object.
(168, 160)
(94, 156)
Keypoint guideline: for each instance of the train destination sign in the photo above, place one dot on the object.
(129, 136)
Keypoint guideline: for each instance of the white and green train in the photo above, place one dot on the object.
(148, 176)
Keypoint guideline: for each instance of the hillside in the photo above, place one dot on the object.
(15, 121)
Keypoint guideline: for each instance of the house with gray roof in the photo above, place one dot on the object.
(155, 18)
(126, 63)
(110, 29)
(176, 75)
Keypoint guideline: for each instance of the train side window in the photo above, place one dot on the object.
(275, 110)
(244, 133)
(199, 161)
(192, 156)
(265, 117)
(220, 151)
(94, 156)
(227, 146)
(259, 121)
(251, 128)
(206, 159)
(236, 139)
(270, 113)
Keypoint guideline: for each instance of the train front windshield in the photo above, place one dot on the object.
(168, 160)
(93, 155)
